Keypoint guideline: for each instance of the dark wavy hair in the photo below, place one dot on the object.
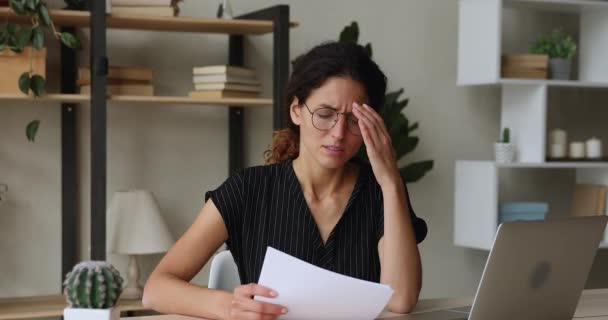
(310, 71)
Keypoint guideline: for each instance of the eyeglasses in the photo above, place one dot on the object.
(326, 118)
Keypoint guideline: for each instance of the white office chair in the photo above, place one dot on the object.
(224, 274)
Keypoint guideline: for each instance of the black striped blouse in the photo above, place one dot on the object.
(264, 206)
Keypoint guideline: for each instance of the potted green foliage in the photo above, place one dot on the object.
(397, 124)
(504, 150)
(92, 289)
(560, 48)
(25, 38)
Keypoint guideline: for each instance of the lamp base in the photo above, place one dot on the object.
(132, 293)
(132, 290)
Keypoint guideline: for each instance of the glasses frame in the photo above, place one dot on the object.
(312, 115)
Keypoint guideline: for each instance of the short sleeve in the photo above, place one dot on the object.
(229, 200)
(420, 227)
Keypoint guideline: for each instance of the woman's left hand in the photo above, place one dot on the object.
(378, 144)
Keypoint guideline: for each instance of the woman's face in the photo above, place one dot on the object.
(331, 145)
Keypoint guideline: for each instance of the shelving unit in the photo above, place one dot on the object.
(272, 20)
(524, 105)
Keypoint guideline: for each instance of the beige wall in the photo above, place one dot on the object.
(178, 152)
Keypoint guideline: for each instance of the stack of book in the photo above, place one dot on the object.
(588, 200)
(133, 81)
(154, 8)
(224, 82)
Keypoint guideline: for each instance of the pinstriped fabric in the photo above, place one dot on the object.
(264, 206)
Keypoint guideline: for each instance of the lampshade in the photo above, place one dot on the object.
(138, 225)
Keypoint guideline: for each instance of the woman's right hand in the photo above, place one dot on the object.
(244, 307)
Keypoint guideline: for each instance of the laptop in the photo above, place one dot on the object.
(535, 270)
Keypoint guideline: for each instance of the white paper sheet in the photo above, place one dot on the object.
(310, 292)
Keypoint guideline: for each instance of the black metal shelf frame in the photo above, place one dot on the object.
(98, 60)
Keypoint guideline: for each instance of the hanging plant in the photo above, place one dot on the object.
(16, 37)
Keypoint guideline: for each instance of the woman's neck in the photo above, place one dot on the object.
(317, 181)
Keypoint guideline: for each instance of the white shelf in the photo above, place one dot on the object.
(476, 197)
(524, 106)
(554, 83)
(574, 6)
(554, 165)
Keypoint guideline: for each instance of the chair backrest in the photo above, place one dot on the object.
(224, 274)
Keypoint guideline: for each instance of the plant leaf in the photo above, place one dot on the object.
(368, 49)
(70, 40)
(415, 171)
(24, 82)
(12, 29)
(389, 99)
(32, 6)
(18, 6)
(31, 129)
(23, 38)
(413, 127)
(37, 84)
(37, 38)
(350, 33)
(43, 15)
(405, 145)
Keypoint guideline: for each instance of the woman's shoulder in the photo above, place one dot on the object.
(264, 172)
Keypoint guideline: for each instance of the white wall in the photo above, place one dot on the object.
(178, 152)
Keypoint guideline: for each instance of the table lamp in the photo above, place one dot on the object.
(138, 229)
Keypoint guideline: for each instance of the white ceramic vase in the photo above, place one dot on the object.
(91, 314)
(504, 152)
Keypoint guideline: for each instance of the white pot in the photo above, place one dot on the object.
(504, 152)
(91, 314)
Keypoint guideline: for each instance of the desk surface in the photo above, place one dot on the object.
(593, 305)
(48, 306)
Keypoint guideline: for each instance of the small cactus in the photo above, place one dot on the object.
(92, 285)
(506, 135)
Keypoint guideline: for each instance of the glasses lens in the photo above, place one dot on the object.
(353, 124)
(324, 119)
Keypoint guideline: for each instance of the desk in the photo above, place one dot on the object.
(48, 306)
(593, 306)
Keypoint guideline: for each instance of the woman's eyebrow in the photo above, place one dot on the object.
(323, 105)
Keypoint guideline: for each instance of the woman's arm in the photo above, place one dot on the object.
(400, 265)
(399, 257)
(168, 289)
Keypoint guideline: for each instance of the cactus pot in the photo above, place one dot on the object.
(91, 314)
(504, 152)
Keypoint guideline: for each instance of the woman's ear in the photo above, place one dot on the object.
(295, 111)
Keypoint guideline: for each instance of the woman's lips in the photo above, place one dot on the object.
(333, 150)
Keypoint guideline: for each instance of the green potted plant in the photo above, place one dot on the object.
(504, 150)
(560, 48)
(92, 289)
(398, 125)
(29, 40)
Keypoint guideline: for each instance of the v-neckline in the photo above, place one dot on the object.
(311, 219)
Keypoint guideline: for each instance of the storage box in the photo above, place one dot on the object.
(526, 211)
(524, 66)
(14, 64)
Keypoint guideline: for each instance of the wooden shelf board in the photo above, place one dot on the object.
(573, 6)
(82, 98)
(181, 24)
(48, 306)
(59, 98)
(245, 102)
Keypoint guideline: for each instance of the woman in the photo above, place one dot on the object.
(312, 200)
